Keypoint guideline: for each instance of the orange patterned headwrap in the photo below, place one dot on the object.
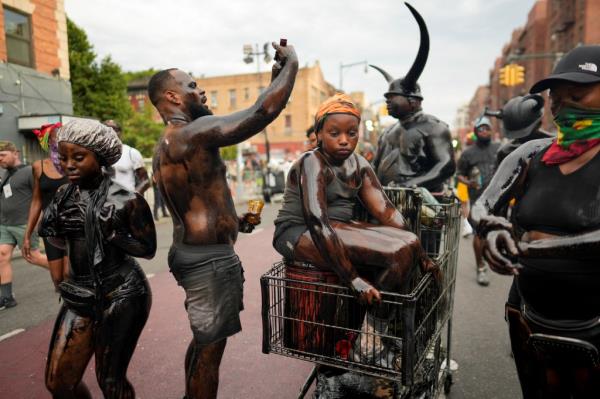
(337, 104)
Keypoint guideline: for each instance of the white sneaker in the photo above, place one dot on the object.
(467, 229)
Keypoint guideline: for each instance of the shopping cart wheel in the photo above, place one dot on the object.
(448, 384)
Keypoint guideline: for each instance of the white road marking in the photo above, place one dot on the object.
(11, 334)
(149, 276)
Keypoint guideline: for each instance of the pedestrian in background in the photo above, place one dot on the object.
(462, 193)
(15, 197)
(129, 170)
(159, 203)
(311, 139)
(46, 180)
(475, 168)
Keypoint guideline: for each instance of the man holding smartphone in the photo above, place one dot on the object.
(190, 175)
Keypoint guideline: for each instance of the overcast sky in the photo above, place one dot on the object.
(206, 37)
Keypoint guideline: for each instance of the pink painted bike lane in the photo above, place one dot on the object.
(156, 370)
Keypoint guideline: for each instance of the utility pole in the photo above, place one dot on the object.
(344, 66)
(249, 58)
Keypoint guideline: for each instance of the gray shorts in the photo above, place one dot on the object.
(213, 288)
(14, 235)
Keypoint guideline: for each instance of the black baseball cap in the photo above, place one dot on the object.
(580, 65)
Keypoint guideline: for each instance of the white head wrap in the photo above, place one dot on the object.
(94, 136)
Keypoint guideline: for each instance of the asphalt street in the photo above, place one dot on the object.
(479, 336)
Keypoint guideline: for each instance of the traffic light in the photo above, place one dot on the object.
(512, 75)
(504, 76)
(519, 74)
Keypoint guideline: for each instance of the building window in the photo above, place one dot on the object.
(232, 99)
(288, 125)
(17, 28)
(213, 99)
(246, 94)
(141, 101)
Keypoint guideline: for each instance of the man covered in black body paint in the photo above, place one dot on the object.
(521, 122)
(417, 150)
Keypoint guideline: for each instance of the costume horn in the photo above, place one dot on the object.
(411, 78)
(386, 75)
(408, 86)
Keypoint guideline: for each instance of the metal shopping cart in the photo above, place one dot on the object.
(307, 315)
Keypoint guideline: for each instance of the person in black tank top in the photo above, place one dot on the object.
(46, 180)
(315, 223)
(552, 242)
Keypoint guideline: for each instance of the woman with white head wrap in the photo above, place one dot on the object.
(106, 298)
(94, 136)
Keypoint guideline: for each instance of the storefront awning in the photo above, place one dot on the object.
(28, 123)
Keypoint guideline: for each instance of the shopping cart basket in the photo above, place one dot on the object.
(308, 315)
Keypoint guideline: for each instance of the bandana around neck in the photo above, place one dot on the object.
(578, 131)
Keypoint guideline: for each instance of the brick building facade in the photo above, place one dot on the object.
(227, 94)
(34, 70)
(553, 27)
(230, 93)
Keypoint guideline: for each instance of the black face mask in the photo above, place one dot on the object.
(484, 140)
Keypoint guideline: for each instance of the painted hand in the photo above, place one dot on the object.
(106, 217)
(366, 292)
(283, 54)
(500, 250)
(72, 220)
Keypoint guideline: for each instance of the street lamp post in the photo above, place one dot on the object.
(350, 65)
(249, 57)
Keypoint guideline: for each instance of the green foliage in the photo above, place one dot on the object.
(142, 132)
(99, 90)
(134, 75)
(228, 153)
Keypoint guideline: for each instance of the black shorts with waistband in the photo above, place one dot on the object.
(213, 279)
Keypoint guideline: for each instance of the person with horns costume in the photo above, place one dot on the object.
(106, 297)
(417, 150)
(551, 242)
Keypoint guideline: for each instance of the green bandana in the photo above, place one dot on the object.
(577, 124)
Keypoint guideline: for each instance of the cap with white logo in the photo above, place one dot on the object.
(579, 65)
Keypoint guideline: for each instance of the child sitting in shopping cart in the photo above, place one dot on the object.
(316, 225)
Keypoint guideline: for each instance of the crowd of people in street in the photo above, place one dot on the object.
(532, 203)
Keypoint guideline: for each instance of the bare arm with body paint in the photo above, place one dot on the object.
(374, 199)
(500, 243)
(222, 131)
